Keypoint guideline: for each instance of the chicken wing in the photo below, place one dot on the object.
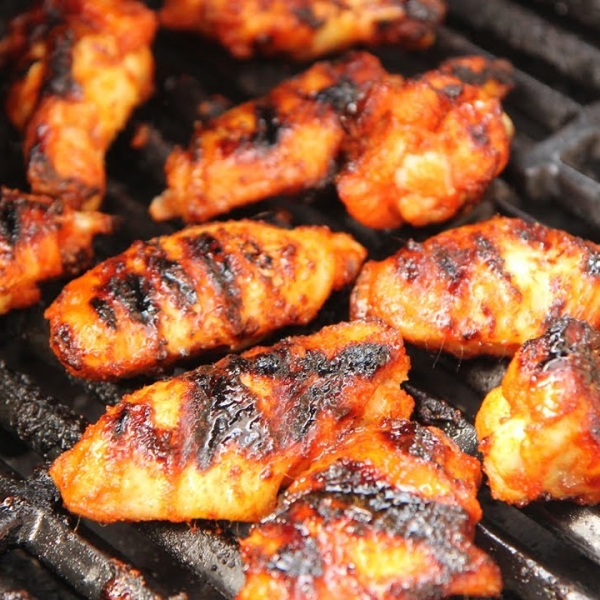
(79, 69)
(483, 288)
(283, 143)
(41, 239)
(390, 513)
(220, 441)
(425, 150)
(212, 286)
(538, 431)
(306, 29)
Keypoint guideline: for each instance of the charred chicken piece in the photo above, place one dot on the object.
(41, 239)
(79, 68)
(282, 143)
(220, 441)
(306, 29)
(539, 431)
(209, 287)
(483, 288)
(425, 150)
(390, 513)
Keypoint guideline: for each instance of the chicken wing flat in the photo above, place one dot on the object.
(483, 288)
(539, 431)
(41, 239)
(219, 442)
(79, 68)
(282, 143)
(212, 286)
(306, 29)
(390, 513)
(424, 150)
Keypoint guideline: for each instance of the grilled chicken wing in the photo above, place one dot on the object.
(306, 29)
(40, 239)
(539, 431)
(283, 143)
(211, 286)
(390, 513)
(424, 150)
(218, 442)
(483, 288)
(79, 68)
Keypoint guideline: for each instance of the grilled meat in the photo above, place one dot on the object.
(390, 513)
(539, 431)
(220, 441)
(306, 29)
(78, 70)
(282, 143)
(483, 288)
(212, 286)
(41, 239)
(424, 150)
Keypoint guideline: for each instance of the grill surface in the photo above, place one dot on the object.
(545, 551)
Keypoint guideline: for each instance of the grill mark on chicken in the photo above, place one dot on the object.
(222, 410)
(208, 249)
(312, 380)
(268, 125)
(10, 226)
(135, 420)
(306, 16)
(134, 294)
(60, 80)
(104, 311)
(341, 96)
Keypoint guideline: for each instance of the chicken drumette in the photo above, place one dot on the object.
(220, 441)
(483, 288)
(306, 29)
(40, 239)
(538, 430)
(389, 513)
(217, 286)
(78, 69)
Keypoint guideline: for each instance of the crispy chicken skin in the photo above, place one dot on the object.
(282, 143)
(41, 239)
(79, 68)
(483, 288)
(220, 441)
(390, 513)
(424, 150)
(306, 29)
(206, 287)
(538, 431)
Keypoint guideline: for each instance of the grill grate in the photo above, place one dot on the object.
(545, 551)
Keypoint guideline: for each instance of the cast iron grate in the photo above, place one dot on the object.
(546, 551)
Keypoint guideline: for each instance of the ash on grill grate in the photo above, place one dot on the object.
(545, 551)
